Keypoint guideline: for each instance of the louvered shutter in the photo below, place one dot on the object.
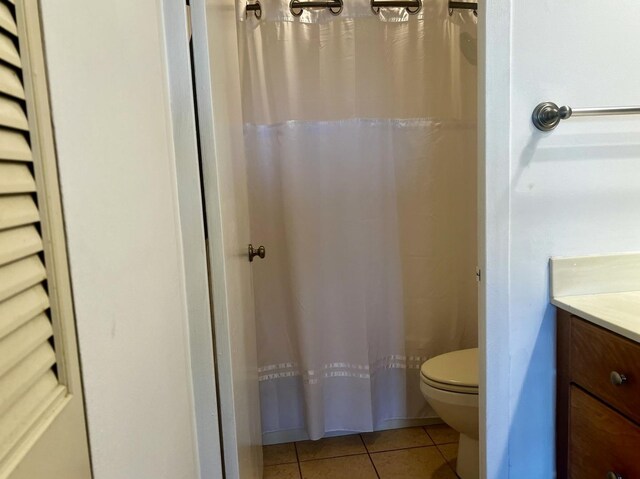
(28, 381)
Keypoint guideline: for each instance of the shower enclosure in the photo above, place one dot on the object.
(360, 139)
(345, 143)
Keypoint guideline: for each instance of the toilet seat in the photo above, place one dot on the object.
(449, 387)
(455, 372)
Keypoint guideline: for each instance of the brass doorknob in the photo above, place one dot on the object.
(261, 252)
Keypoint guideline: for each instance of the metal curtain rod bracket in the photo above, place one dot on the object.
(547, 115)
(412, 6)
(297, 7)
(463, 6)
(255, 8)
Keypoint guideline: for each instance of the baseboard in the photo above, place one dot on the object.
(294, 435)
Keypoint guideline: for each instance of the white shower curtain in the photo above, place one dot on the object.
(361, 148)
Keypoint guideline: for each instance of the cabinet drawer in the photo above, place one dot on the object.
(595, 354)
(601, 440)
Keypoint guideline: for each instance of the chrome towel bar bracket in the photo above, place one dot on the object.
(547, 115)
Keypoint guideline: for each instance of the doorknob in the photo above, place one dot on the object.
(260, 253)
(617, 379)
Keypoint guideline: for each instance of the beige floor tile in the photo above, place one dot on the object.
(279, 454)
(396, 439)
(349, 467)
(450, 453)
(282, 471)
(442, 434)
(330, 447)
(417, 463)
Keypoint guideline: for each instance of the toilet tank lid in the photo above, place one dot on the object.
(458, 368)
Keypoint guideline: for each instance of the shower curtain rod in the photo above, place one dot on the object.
(296, 7)
(412, 6)
(463, 6)
(256, 8)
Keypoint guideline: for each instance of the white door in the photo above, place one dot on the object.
(216, 64)
(42, 426)
(567, 192)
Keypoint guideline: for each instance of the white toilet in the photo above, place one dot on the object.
(450, 384)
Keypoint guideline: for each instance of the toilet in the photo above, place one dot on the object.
(449, 383)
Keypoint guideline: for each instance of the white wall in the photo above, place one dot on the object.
(570, 192)
(109, 96)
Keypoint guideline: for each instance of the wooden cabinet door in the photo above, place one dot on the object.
(601, 441)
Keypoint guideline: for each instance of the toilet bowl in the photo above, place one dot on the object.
(449, 383)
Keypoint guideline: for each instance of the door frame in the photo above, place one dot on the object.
(182, 118)
(494, 178)
(217, 70)
(494, 25)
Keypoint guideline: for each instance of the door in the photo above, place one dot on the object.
(217, 72)
(571, 191)
(42, 425)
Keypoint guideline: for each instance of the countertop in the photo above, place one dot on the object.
(604, 290)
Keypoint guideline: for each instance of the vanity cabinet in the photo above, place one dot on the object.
(598, 402)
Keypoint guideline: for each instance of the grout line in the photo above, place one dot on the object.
(434, 441)
(405, 448)
(369, 453)
(446, 460)
(427, 431)
(295, 448)
(336, 457)
(359, 453)
(370, 458)
(282, 463)
(373, 464)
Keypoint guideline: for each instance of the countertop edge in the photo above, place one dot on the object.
(564, 302)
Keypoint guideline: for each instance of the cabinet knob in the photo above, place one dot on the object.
(613, 475)
(260, 252)
(617, 379)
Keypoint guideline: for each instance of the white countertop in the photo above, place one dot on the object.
(617, 312)
(604, 290)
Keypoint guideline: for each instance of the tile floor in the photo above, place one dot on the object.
(414, 453)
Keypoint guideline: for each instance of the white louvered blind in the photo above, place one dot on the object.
(28, 380)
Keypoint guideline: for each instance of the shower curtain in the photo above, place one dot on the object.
(361, 152)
